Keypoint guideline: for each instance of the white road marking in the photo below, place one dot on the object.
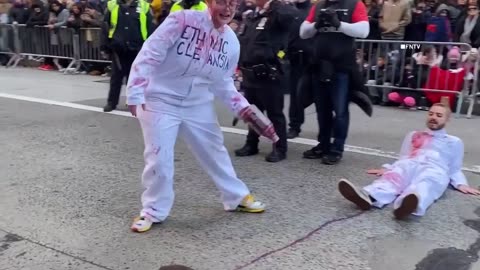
(304, 141)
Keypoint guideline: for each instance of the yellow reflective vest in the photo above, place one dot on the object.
(200, 6)
(113, 8)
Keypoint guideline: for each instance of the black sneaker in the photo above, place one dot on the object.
(275, 156)
(246, 150)
(292, 134)
(331, 158)
(314, 153)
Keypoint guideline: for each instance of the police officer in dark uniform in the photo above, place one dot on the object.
(298, 53)
(333, 25)
(128, 25)
(263, 41)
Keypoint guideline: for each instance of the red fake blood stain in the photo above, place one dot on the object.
(139, 81)
(419, 140)
(395, 178)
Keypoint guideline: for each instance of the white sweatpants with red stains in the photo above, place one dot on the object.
(408, 176)
(198, 126)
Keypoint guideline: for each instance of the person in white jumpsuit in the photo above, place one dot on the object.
(184, 64)
(428, 162)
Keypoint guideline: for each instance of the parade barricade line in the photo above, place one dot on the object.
(473, 98)
(7, 45)
(401, 72)
(90, 44)
(419, 70)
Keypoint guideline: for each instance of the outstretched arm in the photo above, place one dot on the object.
(404, 153)
(152, 55)
(457, 177)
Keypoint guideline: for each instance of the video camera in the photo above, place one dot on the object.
(325, 13)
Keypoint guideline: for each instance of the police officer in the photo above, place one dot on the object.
(263, 41)
(189, 4)
(333, 25)
(129, 23)
(297, 53)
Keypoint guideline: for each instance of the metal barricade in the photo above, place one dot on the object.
(475, 94)
(89, 45)
(7, 45)
(45, 42)
(413, 67)
(8, 42)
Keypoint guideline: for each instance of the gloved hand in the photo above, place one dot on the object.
(329, 16)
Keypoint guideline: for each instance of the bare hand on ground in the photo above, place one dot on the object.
(468, 190)
(377, 172)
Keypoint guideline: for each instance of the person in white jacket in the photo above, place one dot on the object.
(429, 161)
(189, 59)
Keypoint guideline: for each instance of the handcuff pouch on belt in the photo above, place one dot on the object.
(262, 72)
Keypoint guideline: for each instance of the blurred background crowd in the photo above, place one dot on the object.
(413, 20)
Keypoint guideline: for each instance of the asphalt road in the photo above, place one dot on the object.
(70, 186)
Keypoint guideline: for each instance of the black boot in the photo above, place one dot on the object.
(332, 158)
(314, 153)
(292, 134)
(109, 108)
(246, 150)
(276, 156)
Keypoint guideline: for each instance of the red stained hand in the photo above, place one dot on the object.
(133, 109)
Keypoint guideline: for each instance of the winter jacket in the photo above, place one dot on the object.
(37, 19)
(18, 14)
(394, 17)
(373, 19)
(415, 31)
(358, 93)
(474, 35)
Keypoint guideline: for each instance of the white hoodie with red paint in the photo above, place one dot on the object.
(187, 62)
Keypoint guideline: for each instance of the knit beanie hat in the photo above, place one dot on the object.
(454, 53)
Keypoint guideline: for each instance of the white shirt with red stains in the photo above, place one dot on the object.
(435, 148)
(186, 62)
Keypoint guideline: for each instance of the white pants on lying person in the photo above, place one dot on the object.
(429, 161)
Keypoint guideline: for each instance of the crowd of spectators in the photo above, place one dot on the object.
(407, 20)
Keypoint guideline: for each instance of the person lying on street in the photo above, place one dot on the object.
(429, 161)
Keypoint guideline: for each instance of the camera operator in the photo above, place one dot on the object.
(263, 40)
(297, 54)
(189, 4)
(333, 25)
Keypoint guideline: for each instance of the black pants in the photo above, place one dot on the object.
(121, 64)
(267, 96)
(296, 112)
